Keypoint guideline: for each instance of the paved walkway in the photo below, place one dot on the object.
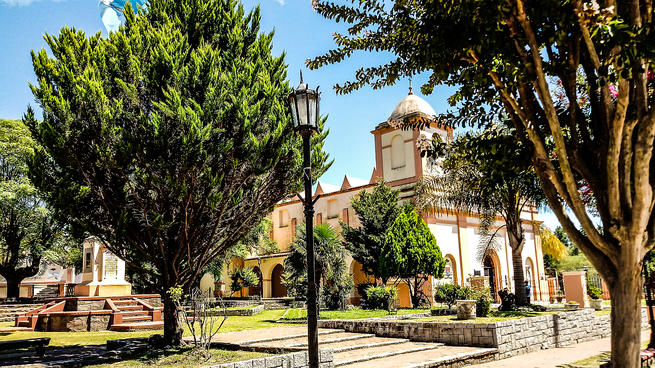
(551, 358)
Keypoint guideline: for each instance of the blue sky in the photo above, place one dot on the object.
(299, 32)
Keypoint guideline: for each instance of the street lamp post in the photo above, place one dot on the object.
(304, 105)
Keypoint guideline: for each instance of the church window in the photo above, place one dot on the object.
(284, 218)
(397, 152)
(332, 209)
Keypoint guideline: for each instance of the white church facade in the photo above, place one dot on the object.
(399, 163)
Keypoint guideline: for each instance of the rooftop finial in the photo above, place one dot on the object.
(300, 76)
(410, 86)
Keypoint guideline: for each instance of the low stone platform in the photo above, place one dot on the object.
(348, 349)
(121, 313)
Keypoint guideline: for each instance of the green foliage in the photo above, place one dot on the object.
(335, 294)
(331, 268)
(576, 263)
(482, 297)
(485, 174)
(379, 297)
(242, 278)
(410, 252)
(27, 228)
(594, 292)
(561, 235)
(257, 240)
(170, 139)
(448, 294)
(376, 209)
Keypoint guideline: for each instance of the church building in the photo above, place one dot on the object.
(398, 162)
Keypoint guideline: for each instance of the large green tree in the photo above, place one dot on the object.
(376, 210)
(508, 55)
(27, 228)
(169, 140)
(410, 253)
(487, 174)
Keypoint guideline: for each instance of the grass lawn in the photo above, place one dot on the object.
(301, 314)
(596, 360)
(182, 358)
(234, 323)
(605, 312)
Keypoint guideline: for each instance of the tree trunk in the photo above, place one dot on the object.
(172, 325)
(15, 275)
(519, 284)
(625, 316)
(13, 285)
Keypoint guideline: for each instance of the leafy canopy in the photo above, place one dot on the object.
(169, 140)
(410, 252)
(376, 210)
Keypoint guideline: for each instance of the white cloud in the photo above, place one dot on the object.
(24, 2)
(281, 2)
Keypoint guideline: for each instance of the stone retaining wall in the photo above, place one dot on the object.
(294, 360)
(75, 321)
(512, 337)
(234, 312)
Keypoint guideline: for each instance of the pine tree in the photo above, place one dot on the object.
(376, 210)
(411, 253)
(169, 140)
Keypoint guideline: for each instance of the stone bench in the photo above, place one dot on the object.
(39, 343)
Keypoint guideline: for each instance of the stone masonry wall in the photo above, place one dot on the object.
(294, 360)
(512, 337)
(524, 335)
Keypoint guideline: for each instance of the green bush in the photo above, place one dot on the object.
(243, 277)
(336, 292)
(448, 294)
(483, 301)
(378, 297)
(594, 292)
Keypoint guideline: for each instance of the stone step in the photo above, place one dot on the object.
(137, 326)
(378, 352)
(340, 346)
(445, 356)
(137, 318)
(134, 313)
(124, 302)
(129, 307)
(299, 332)
(13, 306)
(301, 341)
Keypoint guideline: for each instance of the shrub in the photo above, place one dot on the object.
(335, 294)
(378, 297)
(448, 294)
(361, 290)
(483, 301)
(594, 292)
(243, 277)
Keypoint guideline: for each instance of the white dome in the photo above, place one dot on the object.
(412, 105)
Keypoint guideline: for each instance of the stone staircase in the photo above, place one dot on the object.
(361, 350)
(8, 311)
(132, 315)
(48, 292)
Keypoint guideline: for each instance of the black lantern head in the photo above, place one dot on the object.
(304, 105)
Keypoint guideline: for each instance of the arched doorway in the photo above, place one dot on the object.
(256, 290)
(492, 270)
(278, 290)
(358, 278)
(450, 272)
(529, 276)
